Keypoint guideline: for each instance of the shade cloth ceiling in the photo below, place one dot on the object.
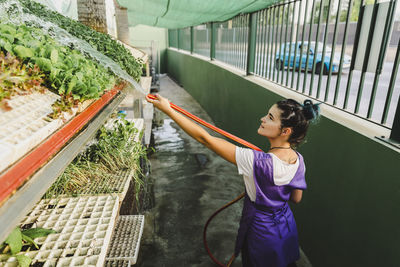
(175, 14)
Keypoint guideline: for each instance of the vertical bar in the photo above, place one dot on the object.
(328, 85)
(243, 34)
(212, 41)
(344, 43)
(395, 133)
(301, 48)
(316, 45)
(191, 40)
(259, 37)
(286, 36)
(236, 45)
(390, 91)
(366, 57)
(265, 44)
(240, 47)
(291, 44)
(354, 54)
(234, 51)
(178, 33)
(262, 41)
(251, 47)
(276, 44)
(280, 39)
(296, 44)
(308, 46)
(267, 51)
(246, 29)
(224, 44)
(244, 24)
(324, 50)
(271, 62)
(385, 39)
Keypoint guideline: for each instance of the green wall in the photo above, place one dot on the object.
(142, 35)
(349, 216)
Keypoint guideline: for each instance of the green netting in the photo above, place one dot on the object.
(174, 14)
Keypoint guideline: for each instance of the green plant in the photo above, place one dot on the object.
(19, 238)
(17, 79)
(67, 71)
(115, 150)
(100, 41)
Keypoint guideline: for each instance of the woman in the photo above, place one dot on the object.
(267, 234)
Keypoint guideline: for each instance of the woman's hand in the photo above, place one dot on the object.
(161, 103)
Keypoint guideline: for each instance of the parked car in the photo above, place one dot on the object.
(282, 58)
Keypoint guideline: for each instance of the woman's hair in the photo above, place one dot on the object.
(297, 117)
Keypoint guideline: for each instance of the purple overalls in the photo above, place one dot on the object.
(267, 235)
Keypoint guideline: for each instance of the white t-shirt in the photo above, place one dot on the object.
(283, 172)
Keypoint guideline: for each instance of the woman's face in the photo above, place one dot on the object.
(271, 123)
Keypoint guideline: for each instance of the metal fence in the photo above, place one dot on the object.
(202, 39)
(184, 41)
(173, 38)
(231, 40)
(325, 49)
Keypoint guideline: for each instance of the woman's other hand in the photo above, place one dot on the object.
(161, 103)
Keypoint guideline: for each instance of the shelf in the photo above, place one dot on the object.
(83, 228)
(24, 183)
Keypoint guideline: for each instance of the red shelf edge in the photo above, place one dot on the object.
(21, 171)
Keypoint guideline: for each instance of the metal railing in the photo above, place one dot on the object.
(173, 38)
(324, 49)
(184, 39)
(231, 41)
(202, 39)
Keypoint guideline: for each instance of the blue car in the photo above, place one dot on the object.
(282, 58)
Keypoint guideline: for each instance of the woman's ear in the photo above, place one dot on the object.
(286, 131)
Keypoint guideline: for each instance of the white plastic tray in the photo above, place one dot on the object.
(126, 238)
(84, 227)
(118, 183)
(26, 125)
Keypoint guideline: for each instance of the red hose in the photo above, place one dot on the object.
(232, 137)
(210, 126)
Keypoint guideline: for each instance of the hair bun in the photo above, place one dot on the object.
(310, 110)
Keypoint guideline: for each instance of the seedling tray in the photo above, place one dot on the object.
(126, 238)
(84, 227)
(117, 263)
(25, 125)
(118, 183)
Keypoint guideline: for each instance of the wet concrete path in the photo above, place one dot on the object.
(190, 183)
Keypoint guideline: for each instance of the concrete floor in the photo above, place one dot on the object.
(190, 183)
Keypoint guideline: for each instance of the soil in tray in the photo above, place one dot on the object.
(37, 264)
(32, 247)
(27, 226)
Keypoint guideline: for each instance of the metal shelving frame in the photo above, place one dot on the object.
(16, 205)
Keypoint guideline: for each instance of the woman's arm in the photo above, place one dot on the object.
(220, 146)
(296, 195)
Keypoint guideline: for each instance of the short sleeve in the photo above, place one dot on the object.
(244, 161)
(299, 180)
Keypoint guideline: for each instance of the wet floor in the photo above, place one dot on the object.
(190, 183)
